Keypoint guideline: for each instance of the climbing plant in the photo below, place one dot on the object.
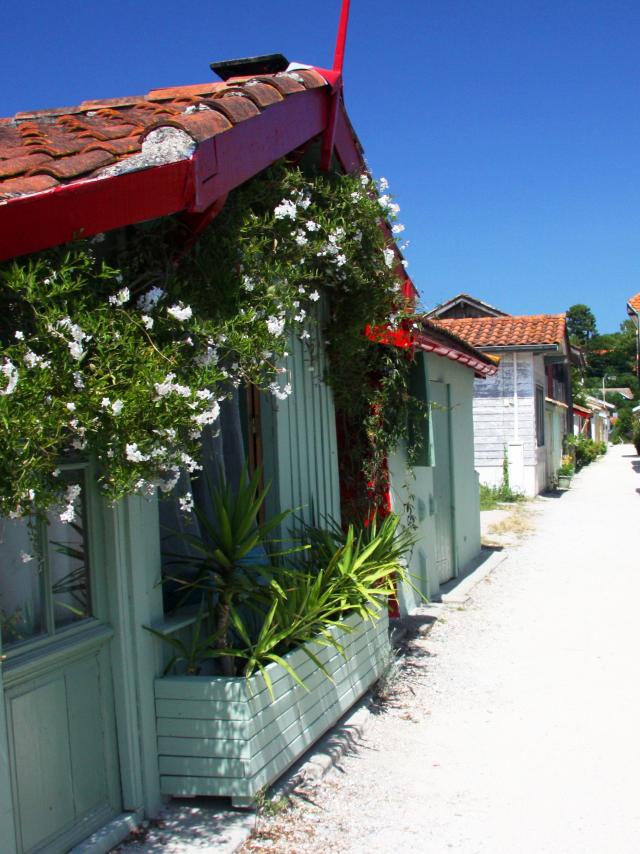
(122, 347)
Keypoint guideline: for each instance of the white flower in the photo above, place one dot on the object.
(71, 496)
(78, 381)
(275, 325)
(11, 373)
(68, 515)
(105, 403)
(364, 180)
(304, 200)
(26, 558)
(150, 300)
(384, 184)
(301, 238)
(134, 455)
(300, 316)
(180, 311)
(280, 393)
(393, 208)
(116, 406)
(168, 387)
(398, 228)
(186, 502)
(341, 260)
(304, 335)
(55, 473)
(286, 208)
(71, 406)
(121, 297)
(147, 321)
(247, 283)
(18, 335)
(389, 256)
(32, 359)
(208, 416)
(310, 225)
(75, 348)
(384, 201)
(314, 296)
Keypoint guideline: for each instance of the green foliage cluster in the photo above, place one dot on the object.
(584, 450)
(492, 496)
(122, 348)
(252, 613)
(635, 435)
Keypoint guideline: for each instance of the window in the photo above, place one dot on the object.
(540, 415)
(44, 574)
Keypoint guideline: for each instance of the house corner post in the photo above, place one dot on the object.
(133, 546)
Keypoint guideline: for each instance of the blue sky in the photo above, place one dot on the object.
(509, 131)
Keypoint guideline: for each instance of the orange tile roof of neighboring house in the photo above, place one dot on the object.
(43, 149)
(634, 302)
(510, 331)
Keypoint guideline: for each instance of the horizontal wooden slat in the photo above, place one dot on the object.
(249, 787)
(248, 731)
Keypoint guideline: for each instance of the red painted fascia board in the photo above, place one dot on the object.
(405, 340)
(84, 208)
(229, 159)
(428, 345)
(87, 207)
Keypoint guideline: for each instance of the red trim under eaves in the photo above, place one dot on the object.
(406, 340)
(87, 207)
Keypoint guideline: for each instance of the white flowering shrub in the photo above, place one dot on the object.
(122, 348)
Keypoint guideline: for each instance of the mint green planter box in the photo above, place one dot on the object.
(228, 737)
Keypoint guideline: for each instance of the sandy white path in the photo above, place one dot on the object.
(518, 727)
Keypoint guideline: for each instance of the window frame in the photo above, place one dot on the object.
(540, 409)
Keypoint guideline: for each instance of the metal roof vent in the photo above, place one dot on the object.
(270, 63)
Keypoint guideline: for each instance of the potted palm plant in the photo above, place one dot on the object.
(565, 472)
(277, 651)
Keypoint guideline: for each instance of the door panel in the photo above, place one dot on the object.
(442, 482)
(61, 734)
(62, 751)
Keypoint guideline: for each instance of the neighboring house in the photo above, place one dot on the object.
(464, 305)
(633, 310)
(600, 421)
(521, 414)
(441, 485)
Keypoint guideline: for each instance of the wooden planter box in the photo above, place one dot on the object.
(228, 737)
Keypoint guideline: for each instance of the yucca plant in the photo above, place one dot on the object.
(223, 569)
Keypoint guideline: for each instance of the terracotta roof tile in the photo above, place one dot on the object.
(72, 167)
(509, 331)
(634, 302)
(40, 148)
(25, 185)
(235, 108)
(20, 165)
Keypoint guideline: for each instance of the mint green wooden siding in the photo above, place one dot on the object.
(230, 737)
(300, 448)
(458, 508)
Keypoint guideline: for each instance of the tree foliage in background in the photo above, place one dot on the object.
(581, 323)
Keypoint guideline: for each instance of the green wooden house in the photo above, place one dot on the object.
(78, 738)
(79, 756)
(439, 490)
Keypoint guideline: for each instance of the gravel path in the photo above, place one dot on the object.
(515, 726)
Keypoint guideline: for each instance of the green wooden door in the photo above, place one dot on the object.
(442, 480)
(57, 681)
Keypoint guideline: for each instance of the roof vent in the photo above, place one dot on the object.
(271, 63)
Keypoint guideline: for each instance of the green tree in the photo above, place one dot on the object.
(581, 323)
